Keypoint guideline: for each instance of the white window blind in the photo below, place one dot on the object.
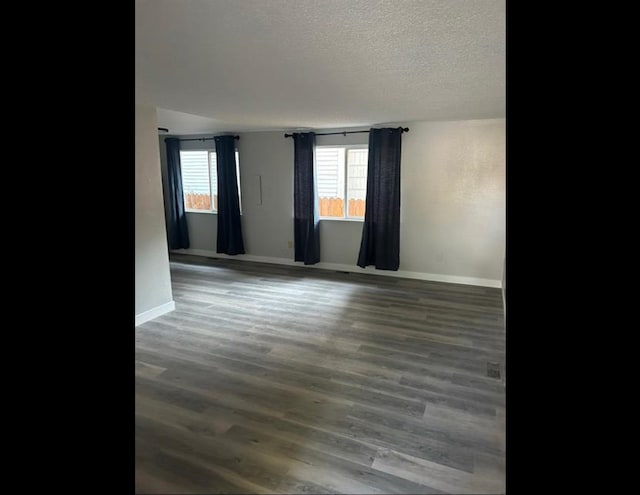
(214, 172)
(329, 169)
(200, 180)
(341, 178)
(195, 172)
(357, 174)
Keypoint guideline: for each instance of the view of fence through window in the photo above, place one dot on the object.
(200, 180)
(341, 173)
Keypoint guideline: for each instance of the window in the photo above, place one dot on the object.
(341, 172)
(200, 180)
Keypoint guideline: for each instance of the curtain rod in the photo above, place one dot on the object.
(344, 133)
(202, 139)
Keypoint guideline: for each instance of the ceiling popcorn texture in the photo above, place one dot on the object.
(283, 64)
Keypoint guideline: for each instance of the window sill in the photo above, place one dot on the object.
(204, 211)
(359, 220)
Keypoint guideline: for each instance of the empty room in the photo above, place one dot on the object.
(320, 246)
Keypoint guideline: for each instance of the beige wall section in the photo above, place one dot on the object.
(268, 227)
(153, 280)
(452, 200)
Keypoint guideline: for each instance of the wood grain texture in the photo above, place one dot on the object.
(279, 379)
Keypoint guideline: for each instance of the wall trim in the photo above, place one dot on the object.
(504, 306)
(433, 277)
(503, 286)
(155, 312)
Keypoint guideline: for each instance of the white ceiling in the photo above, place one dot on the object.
(233, 65)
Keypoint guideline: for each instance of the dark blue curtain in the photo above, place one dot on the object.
(306, 225)
(229, 226)
(380, 245)
(178, 232)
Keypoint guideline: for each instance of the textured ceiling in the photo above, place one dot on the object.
(281, 64)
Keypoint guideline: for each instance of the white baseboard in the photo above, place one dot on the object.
(155, 312)
(433, 277)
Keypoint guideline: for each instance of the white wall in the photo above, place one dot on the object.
(452, 200)
(153, 280)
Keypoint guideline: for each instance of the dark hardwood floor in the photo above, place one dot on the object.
(277, 379)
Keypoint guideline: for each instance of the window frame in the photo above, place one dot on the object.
(209, 151)
(346, 147)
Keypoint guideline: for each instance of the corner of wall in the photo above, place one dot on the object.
(155, 312)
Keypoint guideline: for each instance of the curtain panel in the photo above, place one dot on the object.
(229, 240)
(380, 244)
(178, 233)
(306, 224)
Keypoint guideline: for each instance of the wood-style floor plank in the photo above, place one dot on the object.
(278, 379)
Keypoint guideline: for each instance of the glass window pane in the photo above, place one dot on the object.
(195, 180)
(356, 182)
(330, 181)
(214, 179)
